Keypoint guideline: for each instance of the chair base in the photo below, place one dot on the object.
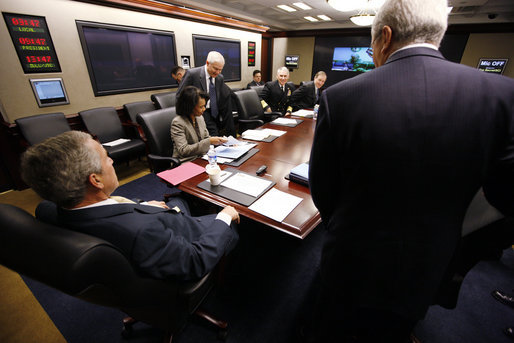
(128, 323)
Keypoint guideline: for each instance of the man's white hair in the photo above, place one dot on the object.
(282, 69)
(215, 57)
(412, 21)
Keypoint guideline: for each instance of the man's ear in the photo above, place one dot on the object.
(387, 36)
(95, 180)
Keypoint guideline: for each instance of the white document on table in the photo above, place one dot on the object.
(303, 113)
(255, 135)
(247, 184)
(284, 121)
(275, 204)
(273, 132)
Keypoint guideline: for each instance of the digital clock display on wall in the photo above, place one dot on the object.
(33, 43)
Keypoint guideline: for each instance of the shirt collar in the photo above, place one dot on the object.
(96, 204)
(416, 45)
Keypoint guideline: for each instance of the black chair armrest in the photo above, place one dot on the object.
(250, 121)
(174, 162)
(270, 116)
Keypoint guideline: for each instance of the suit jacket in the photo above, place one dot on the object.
(398, 154)
(253, 84)
(304, 97)
(225, 121)
(276, 99)
(186, 145)
(161, 243)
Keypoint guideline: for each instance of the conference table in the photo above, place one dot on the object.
(280, 156)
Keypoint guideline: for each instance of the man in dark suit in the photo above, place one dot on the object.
(218, 115)
(177, 73)
(257, 77)
(276, 95)
(398, 154)
(308, 94)
(74, 172)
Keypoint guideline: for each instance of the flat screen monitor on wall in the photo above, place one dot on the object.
(229, 48)
(123, 59)
(49, 92)
(292, 61)
(352, 59)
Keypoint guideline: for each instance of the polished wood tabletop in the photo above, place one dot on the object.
(280, 156)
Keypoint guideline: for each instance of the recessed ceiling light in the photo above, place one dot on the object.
(302, 6)
(450, 8)
(324, 17)
(286, 8)
(309, 18)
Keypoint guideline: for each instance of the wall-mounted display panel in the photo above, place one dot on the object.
(122, 59)
(229, 48)
(33, 43)
(49, 92)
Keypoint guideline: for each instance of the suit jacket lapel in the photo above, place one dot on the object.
(203, 82)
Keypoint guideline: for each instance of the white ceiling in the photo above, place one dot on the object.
(265, 12)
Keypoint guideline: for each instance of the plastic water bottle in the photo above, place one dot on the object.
(316, 109)
(211, 156)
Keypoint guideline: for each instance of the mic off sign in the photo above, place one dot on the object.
(492, 65)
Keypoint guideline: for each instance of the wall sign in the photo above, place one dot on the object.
(33, 43)
(251, 54)
(492, 65)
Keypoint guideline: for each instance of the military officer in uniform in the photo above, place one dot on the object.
(276, 95)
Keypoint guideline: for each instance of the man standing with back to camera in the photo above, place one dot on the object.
(218, 115)
(398, 154)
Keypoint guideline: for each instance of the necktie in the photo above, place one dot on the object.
(316, 91)
(212, 96)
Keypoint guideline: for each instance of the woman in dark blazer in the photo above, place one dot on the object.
(188, 130)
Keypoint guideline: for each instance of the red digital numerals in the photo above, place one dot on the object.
(25, 22)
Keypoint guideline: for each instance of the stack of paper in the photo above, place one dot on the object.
(255, 135)
(303, 113)
(181, 173)
(233, 152)
(284, 121)
(260, 135)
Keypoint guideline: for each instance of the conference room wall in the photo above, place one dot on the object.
(490, 45)
(302, 46)
(16, 97)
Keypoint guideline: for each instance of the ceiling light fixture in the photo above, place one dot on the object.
(286, 8)
(363, 19)
(311, 19)
(302, 6)
(324, 17)
(347, 5)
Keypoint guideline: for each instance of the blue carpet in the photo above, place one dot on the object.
(270, 282)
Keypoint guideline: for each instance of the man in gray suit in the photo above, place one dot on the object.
(218, 115)
(398, 154)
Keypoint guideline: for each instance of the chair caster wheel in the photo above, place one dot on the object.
(222, 335)
(126, 333)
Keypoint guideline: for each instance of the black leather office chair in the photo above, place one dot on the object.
(94, 270)
(134, 108)
(251, 113)
(36, 129)
(258, 89)
(157, 128)
(104, 123)
(164, 100)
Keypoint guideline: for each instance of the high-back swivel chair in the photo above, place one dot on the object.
(164, 100)
(156, 126)
(36, 129)
(251, 113)
(104, 123)
(94, 270)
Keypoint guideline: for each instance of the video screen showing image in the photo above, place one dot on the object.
(353, 59)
